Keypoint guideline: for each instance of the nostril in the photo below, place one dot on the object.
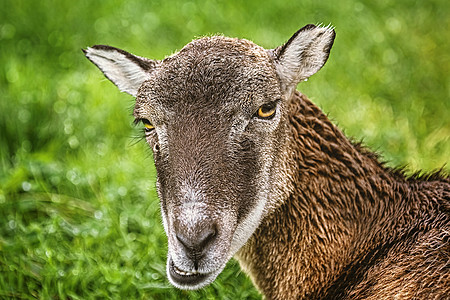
(207, 237)
(199, 240)
(183, 240)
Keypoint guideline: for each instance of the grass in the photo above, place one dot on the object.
(79, 215)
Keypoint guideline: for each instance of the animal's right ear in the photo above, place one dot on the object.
(303, 55)
(125, 70)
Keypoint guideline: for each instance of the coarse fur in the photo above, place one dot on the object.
(352, 229)
(248, 167)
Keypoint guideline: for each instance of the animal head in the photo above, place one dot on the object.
(215, 115)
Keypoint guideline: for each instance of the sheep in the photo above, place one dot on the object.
(248, 167)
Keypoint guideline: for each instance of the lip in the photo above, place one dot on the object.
(184, 278)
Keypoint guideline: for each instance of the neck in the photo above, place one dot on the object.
(338, 207)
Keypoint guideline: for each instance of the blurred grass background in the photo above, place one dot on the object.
(79, 216)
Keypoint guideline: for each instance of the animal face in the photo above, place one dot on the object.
(215, 116)
(216, 109)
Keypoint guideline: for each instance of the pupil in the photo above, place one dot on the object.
(267, 108)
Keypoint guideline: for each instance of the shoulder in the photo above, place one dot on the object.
(418, 269)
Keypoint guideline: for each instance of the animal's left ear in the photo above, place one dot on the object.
(303, 55)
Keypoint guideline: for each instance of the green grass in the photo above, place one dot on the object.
(79, 216)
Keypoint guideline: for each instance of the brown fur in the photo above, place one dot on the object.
(352, 229)
(308, 213)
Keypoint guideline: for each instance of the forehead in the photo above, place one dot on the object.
(212, 70)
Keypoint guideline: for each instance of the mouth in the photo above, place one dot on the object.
(186, 279)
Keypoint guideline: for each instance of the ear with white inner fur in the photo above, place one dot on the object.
(125, 70)
(303, 55)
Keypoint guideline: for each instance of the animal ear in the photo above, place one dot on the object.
(125, 70)
(303, 55)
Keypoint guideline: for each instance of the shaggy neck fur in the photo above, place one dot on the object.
(344, 220)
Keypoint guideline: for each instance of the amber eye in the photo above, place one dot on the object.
(148, 126)
(267, 111)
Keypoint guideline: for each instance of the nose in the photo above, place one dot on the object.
(196, 241)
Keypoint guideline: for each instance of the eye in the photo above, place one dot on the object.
(267, 111)
(148, 126)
